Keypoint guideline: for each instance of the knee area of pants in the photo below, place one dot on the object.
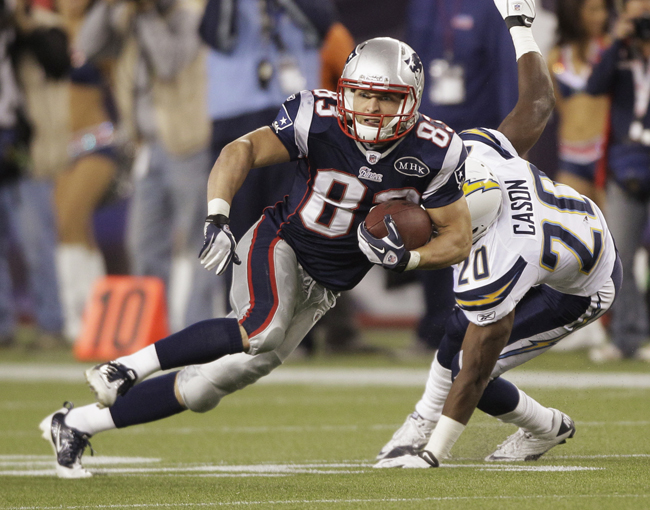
(455, 366)
(456, 326)
(259, 366)
(203, 387)
(197, 392)
(266, 341)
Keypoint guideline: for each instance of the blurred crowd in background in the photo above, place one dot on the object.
(112, 113)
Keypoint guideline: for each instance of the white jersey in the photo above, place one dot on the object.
(546, 233)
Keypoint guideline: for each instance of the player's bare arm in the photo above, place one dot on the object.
(256, 149)
(454, 239)
(481, 348)
(525, 123)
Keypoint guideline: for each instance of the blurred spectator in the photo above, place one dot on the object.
(10, 167)
(471, 81)
(28, 163)
(582, 118)
(80, 188)
(160, 88)
(582, 26)
(262, 51)
(623, 74)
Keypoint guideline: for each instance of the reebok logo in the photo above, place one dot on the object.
(482, 317)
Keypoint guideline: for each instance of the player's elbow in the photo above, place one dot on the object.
(239, 149)
(544, 106)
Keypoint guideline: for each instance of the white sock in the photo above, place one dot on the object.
(530, 415)
(90, 419)
(435, 393)
(444, 437)
(144, 362)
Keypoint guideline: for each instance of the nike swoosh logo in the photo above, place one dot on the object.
(378, 250)
(57, 436)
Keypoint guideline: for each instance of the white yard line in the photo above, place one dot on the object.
(42, 465)
(323, 376)
(336, 502)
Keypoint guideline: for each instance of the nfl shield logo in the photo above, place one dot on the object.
(372, 157)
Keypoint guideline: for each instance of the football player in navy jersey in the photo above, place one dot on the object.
(543, 264)
(355, 148)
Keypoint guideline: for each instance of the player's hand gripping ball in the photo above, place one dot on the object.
(391, 230)
(412, 221)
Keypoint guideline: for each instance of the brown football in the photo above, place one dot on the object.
(413, 222)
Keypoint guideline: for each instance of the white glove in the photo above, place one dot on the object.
(516, 13)
(409, 462)
(219, 244)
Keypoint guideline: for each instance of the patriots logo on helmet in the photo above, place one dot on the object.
(414, 63)
(351, 56)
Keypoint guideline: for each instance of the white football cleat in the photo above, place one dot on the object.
(410, 438)
(523, 445)
(423, 460)
(108, 380)
(68, 444)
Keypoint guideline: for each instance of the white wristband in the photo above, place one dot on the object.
(524, 42)
(444, 436)
(218, 206)
(413, 262)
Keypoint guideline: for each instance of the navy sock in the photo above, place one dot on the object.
(499, 397)
(148, 401)
(200, 343)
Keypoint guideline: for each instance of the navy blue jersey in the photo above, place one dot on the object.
(339, 180)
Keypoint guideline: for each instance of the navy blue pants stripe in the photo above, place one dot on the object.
(261, 279)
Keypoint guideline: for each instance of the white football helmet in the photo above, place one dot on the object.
(483, 194)
(381, 65)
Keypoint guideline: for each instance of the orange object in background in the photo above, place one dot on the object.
(124, 314)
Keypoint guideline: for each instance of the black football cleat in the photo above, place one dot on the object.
(68, 444)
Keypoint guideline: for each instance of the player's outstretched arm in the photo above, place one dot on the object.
(255, 149)
(525, 123)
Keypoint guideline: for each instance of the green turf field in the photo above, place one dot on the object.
(301, 445)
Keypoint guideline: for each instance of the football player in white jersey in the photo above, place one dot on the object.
(542, 265)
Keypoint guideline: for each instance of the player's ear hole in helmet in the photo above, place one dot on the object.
(380, 66)
(483, 194)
